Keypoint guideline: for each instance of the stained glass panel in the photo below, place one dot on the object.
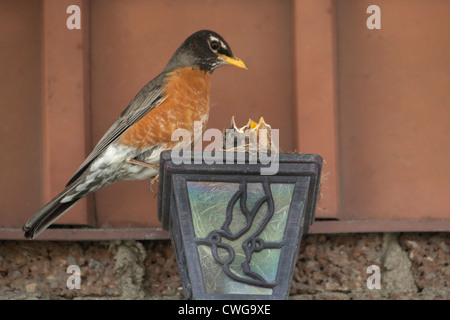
(239, 229)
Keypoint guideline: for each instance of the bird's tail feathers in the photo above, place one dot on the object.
(50, 212)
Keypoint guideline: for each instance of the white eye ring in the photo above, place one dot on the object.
(214, 45)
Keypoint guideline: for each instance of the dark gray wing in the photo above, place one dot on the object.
(150, 96)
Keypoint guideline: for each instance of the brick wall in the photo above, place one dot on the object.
(413, 266)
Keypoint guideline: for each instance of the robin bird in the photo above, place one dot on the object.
(131, 147)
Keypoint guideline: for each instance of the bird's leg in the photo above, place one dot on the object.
(144, 164)
(148, 165)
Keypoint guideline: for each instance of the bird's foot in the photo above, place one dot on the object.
(153, 180)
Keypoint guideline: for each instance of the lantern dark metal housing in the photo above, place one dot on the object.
(236, 233)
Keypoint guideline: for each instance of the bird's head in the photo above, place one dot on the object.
(204, 49)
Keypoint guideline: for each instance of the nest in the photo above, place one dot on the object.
(252, 138)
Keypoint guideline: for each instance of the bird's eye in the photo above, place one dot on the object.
(215, 45)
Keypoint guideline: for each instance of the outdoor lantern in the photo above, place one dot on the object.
(236, 232)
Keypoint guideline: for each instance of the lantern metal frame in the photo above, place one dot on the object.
(302, 171)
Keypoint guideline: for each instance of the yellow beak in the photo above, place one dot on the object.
(233, 61)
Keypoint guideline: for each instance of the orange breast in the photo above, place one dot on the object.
(187, 101)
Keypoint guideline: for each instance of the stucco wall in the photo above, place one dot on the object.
(412, 265)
